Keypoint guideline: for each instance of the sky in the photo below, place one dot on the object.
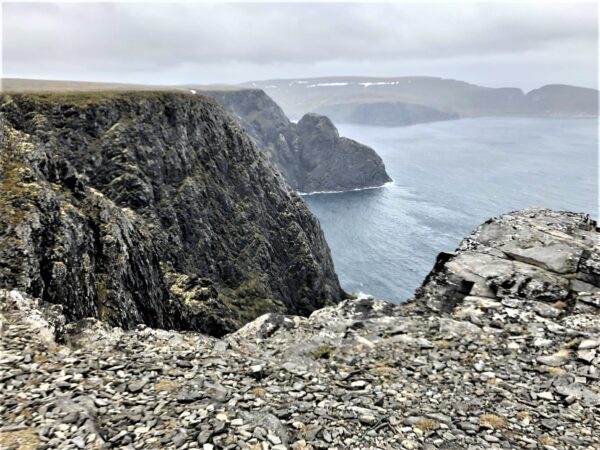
(522, 44)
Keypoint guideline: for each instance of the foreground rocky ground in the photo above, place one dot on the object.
(499, 349)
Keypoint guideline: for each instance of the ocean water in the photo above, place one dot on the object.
(449, 177)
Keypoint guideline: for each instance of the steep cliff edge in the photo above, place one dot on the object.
(310, 154)
(151, 208)
(535, 255)
(501, 349)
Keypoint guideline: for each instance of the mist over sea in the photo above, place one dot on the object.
(448, 178)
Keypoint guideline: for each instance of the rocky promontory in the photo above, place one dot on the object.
(311, 155)
(499, 349)
(151, 208)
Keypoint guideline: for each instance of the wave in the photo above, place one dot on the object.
(389, 183)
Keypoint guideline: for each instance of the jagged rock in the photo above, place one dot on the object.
(361, 374)
(589, 343)
(151, 208)
(567, 387)
(310, 154)
(534, 254)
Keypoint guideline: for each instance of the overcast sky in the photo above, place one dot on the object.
(508, 44)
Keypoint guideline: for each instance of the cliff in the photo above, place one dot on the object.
(499, 349)
(389, 101)
(310, 154)
(151, 208)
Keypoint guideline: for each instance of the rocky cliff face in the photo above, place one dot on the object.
(311, 155)
(151, 208)
(500, 349)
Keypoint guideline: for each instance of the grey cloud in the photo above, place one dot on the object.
(120, 39)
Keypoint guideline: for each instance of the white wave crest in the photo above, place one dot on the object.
(389, 183)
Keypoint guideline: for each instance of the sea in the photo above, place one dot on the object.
(449, 177)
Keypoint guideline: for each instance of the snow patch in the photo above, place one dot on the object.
(326, 84)
(378, 83)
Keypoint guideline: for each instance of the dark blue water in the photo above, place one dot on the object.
(448, 178)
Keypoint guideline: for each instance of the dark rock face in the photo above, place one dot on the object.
(533, 254)
(388, 114)
(152, 208)
(334, 163)
(310, 154)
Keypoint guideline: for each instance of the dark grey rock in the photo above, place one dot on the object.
(188, 396)
(152, 208)
(310, 154)
(137, 385)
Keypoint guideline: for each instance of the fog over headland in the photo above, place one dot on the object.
(493, 44)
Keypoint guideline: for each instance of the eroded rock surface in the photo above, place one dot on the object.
(509, 369)
(155, 208)
(534, 254)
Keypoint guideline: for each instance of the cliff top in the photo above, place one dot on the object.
(57, 98)
(15, 85)
(501, 349)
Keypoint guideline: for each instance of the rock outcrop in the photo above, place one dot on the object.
(499, 349)
(310, 154)
(531, 255)
(152, 208)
